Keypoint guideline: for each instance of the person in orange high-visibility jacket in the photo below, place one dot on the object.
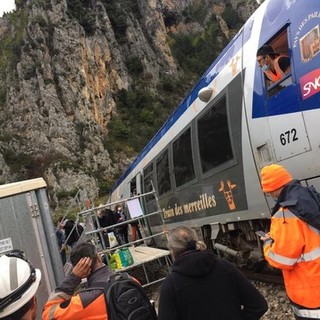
(88, 304)
(274, 66)
(293, 245)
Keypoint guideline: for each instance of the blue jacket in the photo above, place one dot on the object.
(302, 201)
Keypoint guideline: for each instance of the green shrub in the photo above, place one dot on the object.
(66, 194)
(29, 72)
(232, 18)
(81, 10)
(48, 81)
(195, 13)
(16, 161)
(5, 137)
(105, 187)
(11, 43)
(38, 19)
(3, 95)
(118, 12)
(196, 51)
(134, 66)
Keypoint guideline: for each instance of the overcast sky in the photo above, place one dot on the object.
(6, 6)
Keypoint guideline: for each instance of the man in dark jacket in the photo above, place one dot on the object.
(121, 231)
(105, 218)
(73, 232)
(203, 287)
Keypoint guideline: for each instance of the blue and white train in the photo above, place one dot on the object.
(205, 160)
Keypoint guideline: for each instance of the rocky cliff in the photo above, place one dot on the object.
(65, 66)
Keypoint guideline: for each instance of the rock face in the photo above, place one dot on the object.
(58, 85)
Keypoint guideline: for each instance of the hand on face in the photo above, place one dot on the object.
(83, 268)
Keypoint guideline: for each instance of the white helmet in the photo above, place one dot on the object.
(19, 282)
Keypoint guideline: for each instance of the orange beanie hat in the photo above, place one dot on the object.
(274, 177)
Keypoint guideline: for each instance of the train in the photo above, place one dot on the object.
(204, 162)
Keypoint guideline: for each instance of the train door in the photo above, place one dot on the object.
(277, 102)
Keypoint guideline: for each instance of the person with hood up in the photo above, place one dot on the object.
(293, 244)
(201, 286)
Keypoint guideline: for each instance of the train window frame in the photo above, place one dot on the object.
(280, 43)
(189, 181)
(160, 157)
(135, 184)
(148, 173)
(230, 162)
(148, 169)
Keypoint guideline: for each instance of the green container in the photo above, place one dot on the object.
(125, 257)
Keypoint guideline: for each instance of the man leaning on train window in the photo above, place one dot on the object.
(274, 66)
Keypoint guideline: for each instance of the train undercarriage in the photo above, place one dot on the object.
(237, 242)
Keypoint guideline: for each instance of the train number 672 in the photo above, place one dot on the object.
(288, 136)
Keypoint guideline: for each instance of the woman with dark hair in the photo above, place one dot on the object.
(202, 286)
(73, 232)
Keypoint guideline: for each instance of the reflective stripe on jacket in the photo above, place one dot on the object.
(88, 304)
(73, 308)
(295, 249)
(274, 77)
(307, 313)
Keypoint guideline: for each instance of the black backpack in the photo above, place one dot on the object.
(304, 202)
(126, 299)
(315, 222)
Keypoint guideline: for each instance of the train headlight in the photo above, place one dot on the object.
(205, 94)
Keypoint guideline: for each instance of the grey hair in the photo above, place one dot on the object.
(182, 239)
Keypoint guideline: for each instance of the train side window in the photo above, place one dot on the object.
(182, 159)
(133, 187)
(274, 60)
(147, 178)
(213, 137)
(163, 176)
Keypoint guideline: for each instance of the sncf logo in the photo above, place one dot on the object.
(310, 84)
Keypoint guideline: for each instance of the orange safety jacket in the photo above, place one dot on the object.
(88, 304)
(274, 77)
(294, 248)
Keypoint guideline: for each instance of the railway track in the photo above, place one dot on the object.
(263, 277)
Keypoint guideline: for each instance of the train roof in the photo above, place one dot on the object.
(209, 75)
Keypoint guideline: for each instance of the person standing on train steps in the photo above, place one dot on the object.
(293, 243)
(19, 282)
(274, 66)
(202, 286)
